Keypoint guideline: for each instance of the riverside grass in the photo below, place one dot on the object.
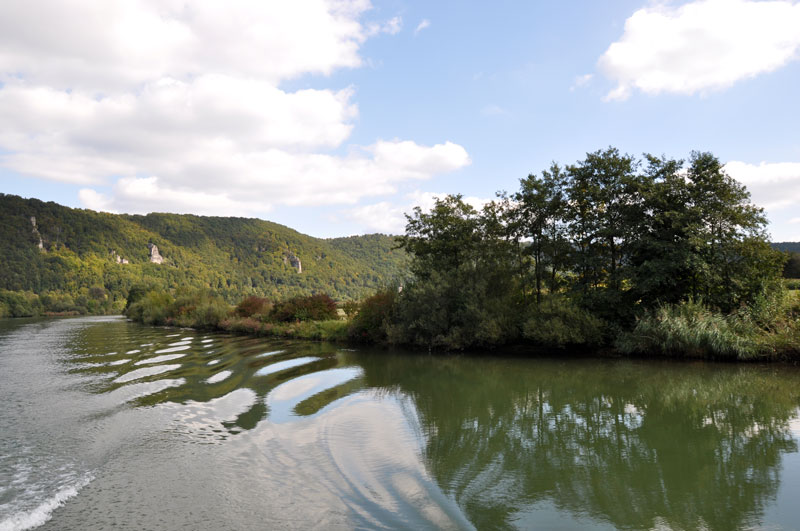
(767, 331)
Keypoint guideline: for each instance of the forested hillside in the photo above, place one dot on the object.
(81, 259)
(789, 247)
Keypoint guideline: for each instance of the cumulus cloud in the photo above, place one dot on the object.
(106, 45)
(774, 186)
(177, 106)
(252, 183)
(425, 23)
(701, 46)
(390, 218)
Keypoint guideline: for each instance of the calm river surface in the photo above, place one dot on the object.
(105, 424)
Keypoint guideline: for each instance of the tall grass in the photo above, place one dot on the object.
(768, 329)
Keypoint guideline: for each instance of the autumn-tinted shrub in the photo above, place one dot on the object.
(374, 313)
(253, 305)
(318, 307)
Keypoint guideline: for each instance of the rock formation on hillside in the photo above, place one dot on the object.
(118, 259)
(290, 258)
(155, 256)
(37, 234)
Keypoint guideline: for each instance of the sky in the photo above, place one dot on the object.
(336, 117)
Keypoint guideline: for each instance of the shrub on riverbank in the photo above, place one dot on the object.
(370, 321)
(558, 322)
(254, 306)
(253, 316)
(318, 307)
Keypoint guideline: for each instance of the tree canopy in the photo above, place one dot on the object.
(611, 236)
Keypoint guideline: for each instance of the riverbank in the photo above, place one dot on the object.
(767, 331)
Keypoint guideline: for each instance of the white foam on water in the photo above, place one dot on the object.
(44, 511)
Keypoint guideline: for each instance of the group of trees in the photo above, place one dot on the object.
(580, 251)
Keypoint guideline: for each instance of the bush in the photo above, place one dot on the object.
(311, 308)
(253, 305)
(559, 322)
(198, 309)
(373, 316)
(20, 303)
(151, 308)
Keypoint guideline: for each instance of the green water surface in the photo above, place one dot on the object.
(108, 424)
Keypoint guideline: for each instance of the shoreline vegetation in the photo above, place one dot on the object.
(687, 330)
(652, 257)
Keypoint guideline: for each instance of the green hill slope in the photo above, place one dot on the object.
(789, 247)
(46, 247)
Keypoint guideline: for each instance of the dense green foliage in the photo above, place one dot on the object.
(792, 267)
(582, 254)
(77, 270)
(371, 319)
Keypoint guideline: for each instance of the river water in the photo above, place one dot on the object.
(105, 424)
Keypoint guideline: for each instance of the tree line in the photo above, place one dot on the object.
(582, 254)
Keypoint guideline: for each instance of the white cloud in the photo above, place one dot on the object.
(177, 107)
(581, 81)
(774, 186)
(224, 182)
(383, 217)
(102, 46)
(389, 218)
(794, 220)
(422, 25)
(391, 26)
(702, 45)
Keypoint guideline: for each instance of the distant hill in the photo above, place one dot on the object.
(789, 247)
(49, 247)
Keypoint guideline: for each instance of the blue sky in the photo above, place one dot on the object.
(335, 117)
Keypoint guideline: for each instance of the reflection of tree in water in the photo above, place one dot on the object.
(634, 444)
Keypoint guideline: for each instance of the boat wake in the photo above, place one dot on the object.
(29, 518)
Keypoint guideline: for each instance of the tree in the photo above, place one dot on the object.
(537, 215)
(464, 277)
